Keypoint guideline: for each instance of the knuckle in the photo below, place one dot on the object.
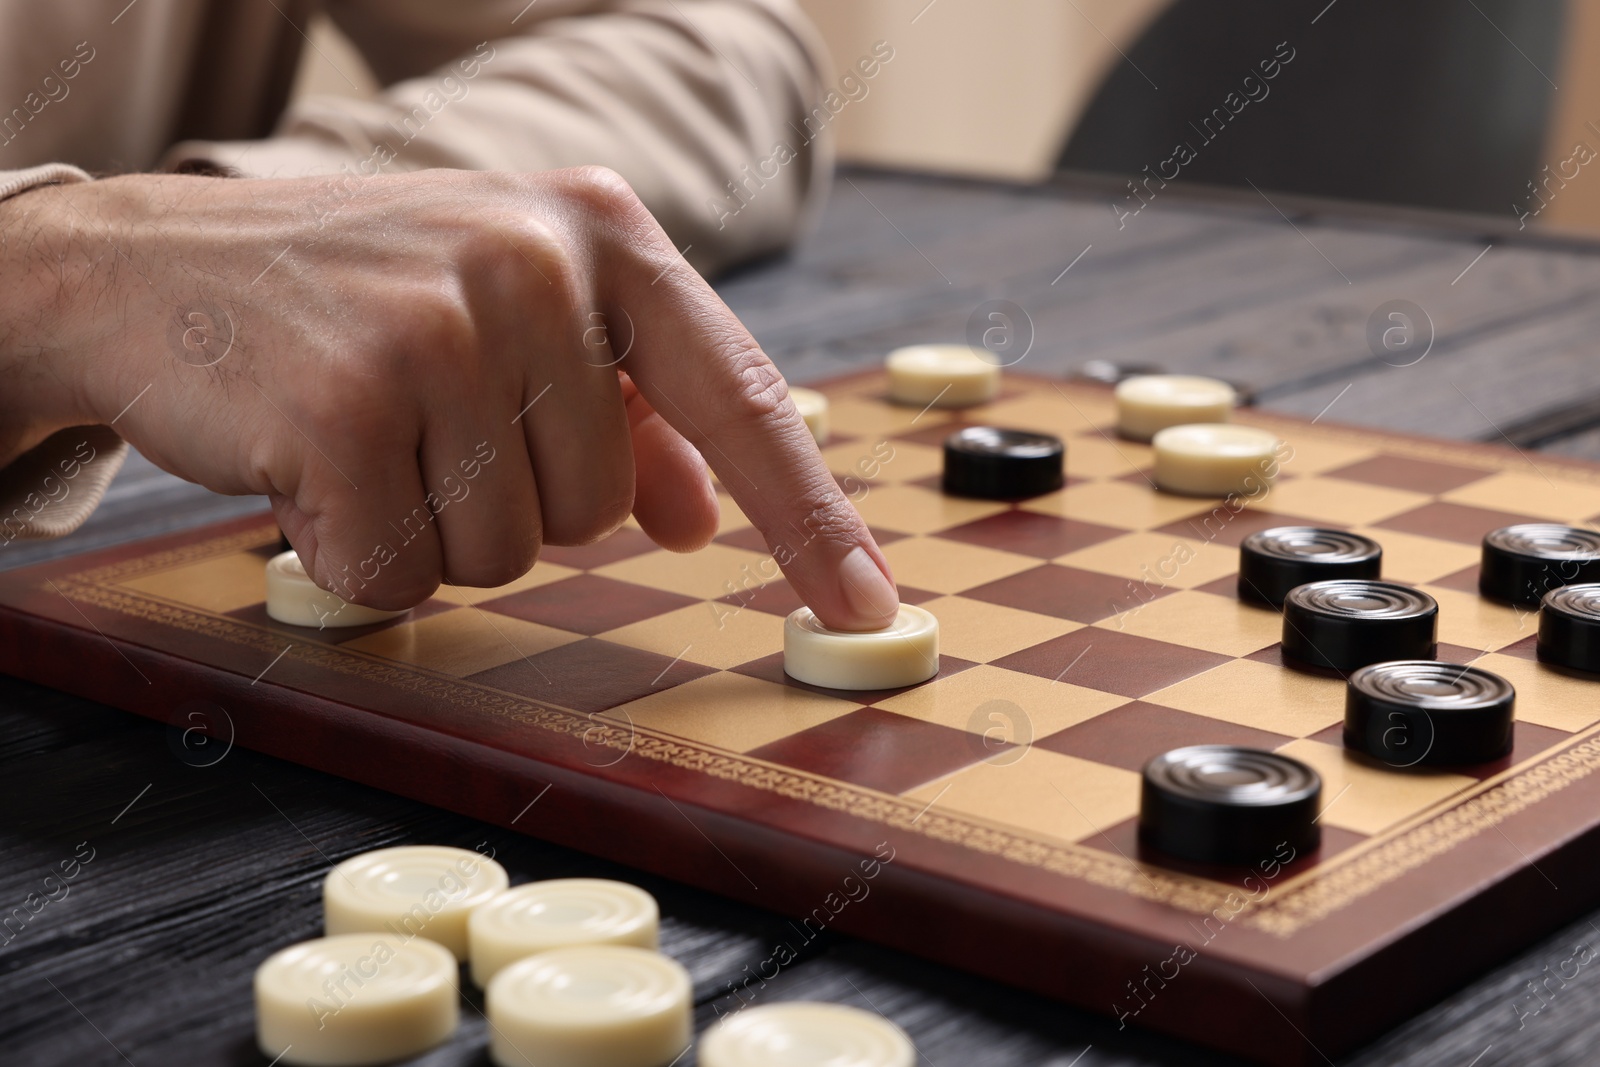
(525, 239)
(603, 192)
(830, 520)
(754, 392)
(445, 324)
(519, 257)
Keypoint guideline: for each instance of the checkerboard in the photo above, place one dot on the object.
(638, 697)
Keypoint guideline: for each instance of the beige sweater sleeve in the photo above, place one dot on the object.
(51, 489)
(702, 105)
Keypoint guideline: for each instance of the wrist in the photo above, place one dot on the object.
(43, 267)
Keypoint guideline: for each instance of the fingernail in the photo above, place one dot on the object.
(867, 589)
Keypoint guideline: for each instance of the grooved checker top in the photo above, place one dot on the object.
(1084, 632)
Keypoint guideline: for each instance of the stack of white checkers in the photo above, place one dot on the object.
(1198, 449)
(569, 967)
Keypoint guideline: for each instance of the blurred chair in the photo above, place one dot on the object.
(1436, 103)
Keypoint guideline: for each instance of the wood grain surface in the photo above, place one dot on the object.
(204, 863)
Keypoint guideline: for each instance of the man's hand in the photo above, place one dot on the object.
(429, 374)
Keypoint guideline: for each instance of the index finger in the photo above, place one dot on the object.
(705, 375)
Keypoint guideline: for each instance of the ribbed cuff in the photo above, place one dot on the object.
(296, 156)
(49, 491)
(13, 182)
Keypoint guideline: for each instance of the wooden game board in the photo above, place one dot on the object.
(631, 703)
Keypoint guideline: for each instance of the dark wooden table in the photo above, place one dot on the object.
(199, 872)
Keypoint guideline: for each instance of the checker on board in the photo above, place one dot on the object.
(1210, 803)
(1290, 685)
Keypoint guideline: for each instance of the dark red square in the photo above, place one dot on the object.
(624, 544)
(880, 750)
(1221, 526)
(1464, 580)
(1527, 648)
(1403, 472)
(934, 434)
(1140, 476)
(1527, 740)
(774, 598)
(1329, 735)
(749, 538)
(770, 669)
(1453, 522)
(588, 604)
(1068, 593)
(1273, 654)
(591, 675)
(1112, 662)
(1031, 534)
(1132, 735)
(1227, 586)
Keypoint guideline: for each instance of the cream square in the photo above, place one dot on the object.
(714, 571)
(982, 632)
(1156, 559)
(220, 584)
(1043, 793)
(1545, 696)
(950, 566)
(702, 634)
(1545, 494)
(729, 517)
(1409, 558)
(1036, 707)
(1315, 453)
(1337, 501)
(879, 418)
(1045, 412)
(1093, 456)
(875, 459)
(462, 641)
(731, 711)
(913, 509)
(1470, 620)
(1264, 696)
(1218, 624)
(1363, 795)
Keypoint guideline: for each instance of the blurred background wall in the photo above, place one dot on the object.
(982, 87)
(1454, 104)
